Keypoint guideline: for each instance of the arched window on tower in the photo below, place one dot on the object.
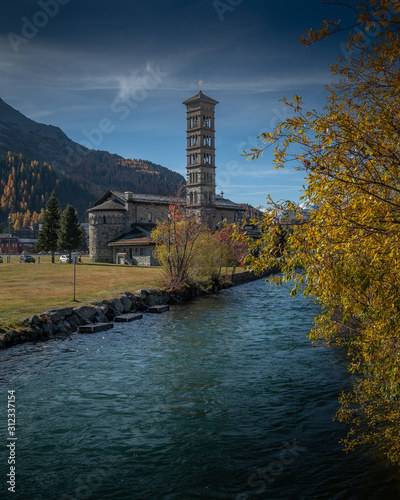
(207, 121)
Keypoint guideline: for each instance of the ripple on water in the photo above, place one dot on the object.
(221, 398)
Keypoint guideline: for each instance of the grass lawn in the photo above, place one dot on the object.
(27, 289)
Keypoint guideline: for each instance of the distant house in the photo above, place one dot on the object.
(21, 240)
(120, 224)
(9, 244)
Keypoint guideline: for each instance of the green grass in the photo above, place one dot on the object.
(27, 289)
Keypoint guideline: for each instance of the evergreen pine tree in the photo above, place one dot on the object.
(48, 235)
(83, 246)
(69, 234)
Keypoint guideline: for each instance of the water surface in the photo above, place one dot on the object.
(221, 398)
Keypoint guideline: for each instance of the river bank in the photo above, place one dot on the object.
(222, 398)
(64, 321)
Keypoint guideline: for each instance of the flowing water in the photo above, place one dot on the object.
(221, 398)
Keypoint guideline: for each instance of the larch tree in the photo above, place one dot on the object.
(48, 235)
(346, 251)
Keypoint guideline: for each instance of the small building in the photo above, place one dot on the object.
(9, 244)
(120, 224)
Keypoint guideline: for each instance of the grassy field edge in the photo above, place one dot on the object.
(28, 289)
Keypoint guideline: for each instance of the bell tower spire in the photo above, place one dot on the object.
(200, 133)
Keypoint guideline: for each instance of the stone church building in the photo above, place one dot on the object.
(120, 224)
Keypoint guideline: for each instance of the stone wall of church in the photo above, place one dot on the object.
(147, 258)
(103, 227)
(139, 256)
(229, 215)
(150, 214)
(142, 213)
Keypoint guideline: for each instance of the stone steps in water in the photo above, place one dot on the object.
(95, 327)
(158, 309)
(125, 318)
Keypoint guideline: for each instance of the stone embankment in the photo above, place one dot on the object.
(59, 322)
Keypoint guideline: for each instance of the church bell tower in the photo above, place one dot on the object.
(200, 149)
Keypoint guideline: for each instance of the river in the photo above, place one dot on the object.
(220, 398)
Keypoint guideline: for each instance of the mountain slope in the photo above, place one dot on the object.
(25, 187)
(99, 170)
(37, 141)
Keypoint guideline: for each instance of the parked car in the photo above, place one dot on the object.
(68, 259)
(1, 259)
(26, 258)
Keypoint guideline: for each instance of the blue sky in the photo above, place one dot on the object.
(113, 74)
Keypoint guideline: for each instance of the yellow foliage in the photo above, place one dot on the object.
(349, 249)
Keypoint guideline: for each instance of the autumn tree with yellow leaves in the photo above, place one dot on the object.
(346, 253)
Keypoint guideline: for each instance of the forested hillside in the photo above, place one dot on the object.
(44, 159)
(107, 171)
(25, 186)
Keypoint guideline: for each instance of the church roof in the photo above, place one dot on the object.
(150, 198)
(200, 97)
(112, 204)
(140, 234)
(130, 242)
(226, 204)
(107, 205)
